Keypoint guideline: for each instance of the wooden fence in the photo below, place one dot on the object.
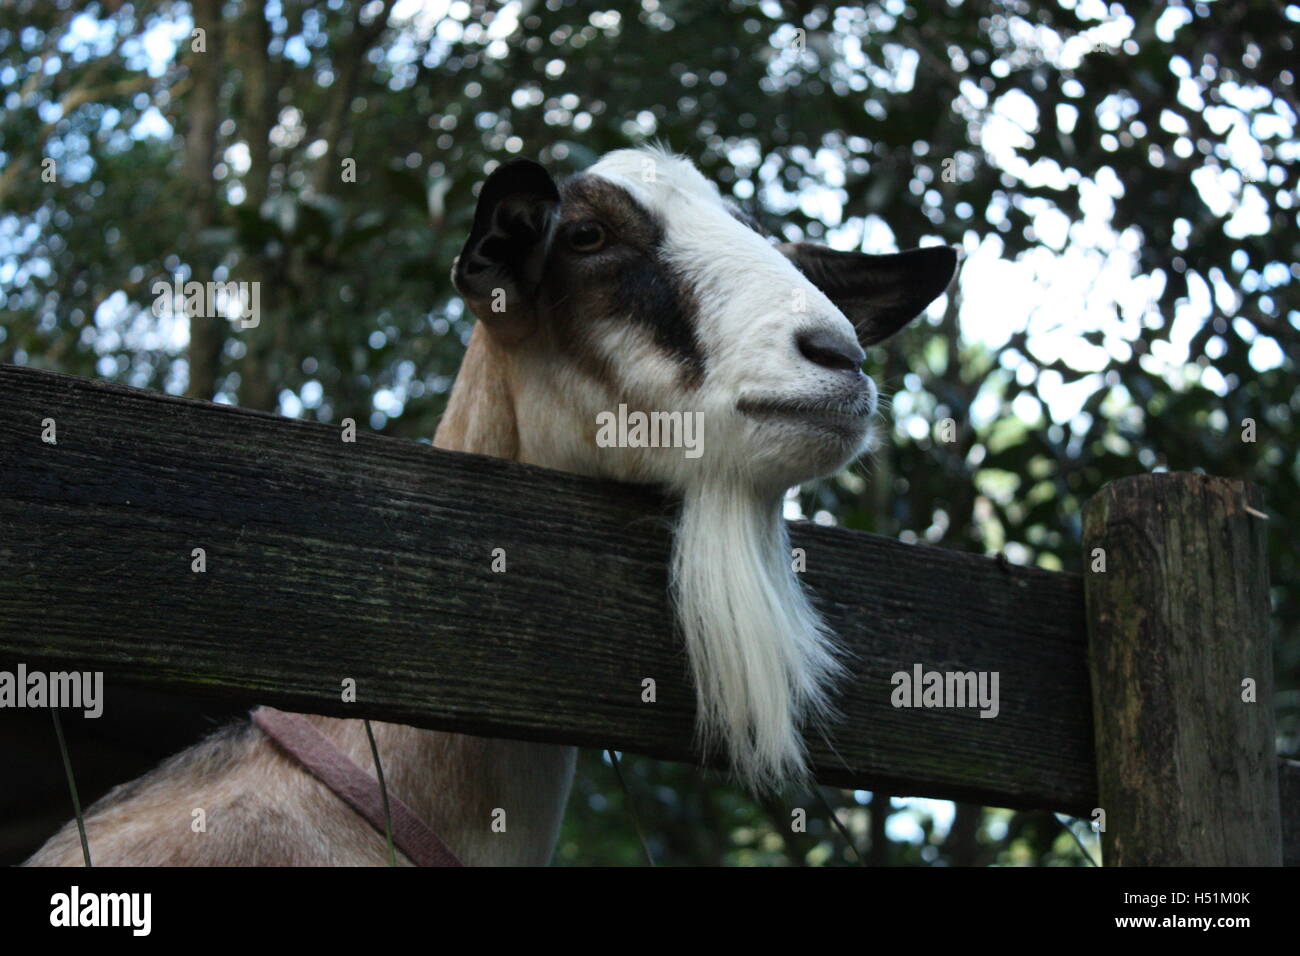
(373, 560)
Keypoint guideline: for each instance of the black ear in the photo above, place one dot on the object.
(500, 267)
(879, 294)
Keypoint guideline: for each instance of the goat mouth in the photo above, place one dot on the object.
(836, 413)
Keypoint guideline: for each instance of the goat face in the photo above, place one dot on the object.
(634, 283)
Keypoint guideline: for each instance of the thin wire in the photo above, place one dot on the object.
(72, 786)
(631, 807)
(383, 794)
(835, 820)
(1070, 830)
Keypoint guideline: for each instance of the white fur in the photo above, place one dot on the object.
(762, 660)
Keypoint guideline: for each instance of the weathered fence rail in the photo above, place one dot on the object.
(373, 560)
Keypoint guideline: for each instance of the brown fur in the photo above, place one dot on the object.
(579, 290)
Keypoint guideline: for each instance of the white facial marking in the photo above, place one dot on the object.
(751, 302)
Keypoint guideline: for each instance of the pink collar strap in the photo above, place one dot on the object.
(356, 787)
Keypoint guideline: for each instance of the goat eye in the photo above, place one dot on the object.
(587, 237)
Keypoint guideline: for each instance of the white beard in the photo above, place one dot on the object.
(762, 659)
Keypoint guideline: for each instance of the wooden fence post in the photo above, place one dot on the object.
(1181, 666)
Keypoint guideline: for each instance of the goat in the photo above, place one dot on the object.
(631, 284)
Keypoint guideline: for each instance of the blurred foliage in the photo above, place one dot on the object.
(1152, 145)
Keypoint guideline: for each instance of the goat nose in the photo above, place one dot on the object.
(829, 350)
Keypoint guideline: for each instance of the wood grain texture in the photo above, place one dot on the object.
(1178, 619)
(328, 560)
